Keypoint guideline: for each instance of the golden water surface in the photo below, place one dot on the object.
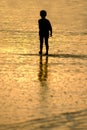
(43, 92)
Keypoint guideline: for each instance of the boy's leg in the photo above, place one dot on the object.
(41, 45)
(47, 46)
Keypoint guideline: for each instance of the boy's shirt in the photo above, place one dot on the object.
(44, 27)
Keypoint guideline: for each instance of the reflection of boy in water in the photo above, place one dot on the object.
(44, 29)
(43, 70)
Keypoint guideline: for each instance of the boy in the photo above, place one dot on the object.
(44, 29)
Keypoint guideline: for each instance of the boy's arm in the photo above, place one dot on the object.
(50, 30)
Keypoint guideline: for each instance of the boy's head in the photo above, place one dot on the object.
(43, 13)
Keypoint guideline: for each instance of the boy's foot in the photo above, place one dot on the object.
(46, 53)
(40, 52)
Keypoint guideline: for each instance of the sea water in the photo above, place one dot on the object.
(43, 92)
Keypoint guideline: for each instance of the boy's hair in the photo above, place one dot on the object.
(43, 13)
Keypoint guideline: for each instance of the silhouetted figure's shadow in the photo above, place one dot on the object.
(43, 72)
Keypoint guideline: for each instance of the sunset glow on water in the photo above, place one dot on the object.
(43, 92)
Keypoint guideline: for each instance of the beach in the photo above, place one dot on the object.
(43, 92)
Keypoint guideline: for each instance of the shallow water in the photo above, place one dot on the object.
(43, 92)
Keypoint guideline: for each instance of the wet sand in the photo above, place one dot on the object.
(43, 92)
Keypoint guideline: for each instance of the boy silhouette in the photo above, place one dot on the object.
(45, 29)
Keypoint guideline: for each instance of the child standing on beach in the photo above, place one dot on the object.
(45, 29)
